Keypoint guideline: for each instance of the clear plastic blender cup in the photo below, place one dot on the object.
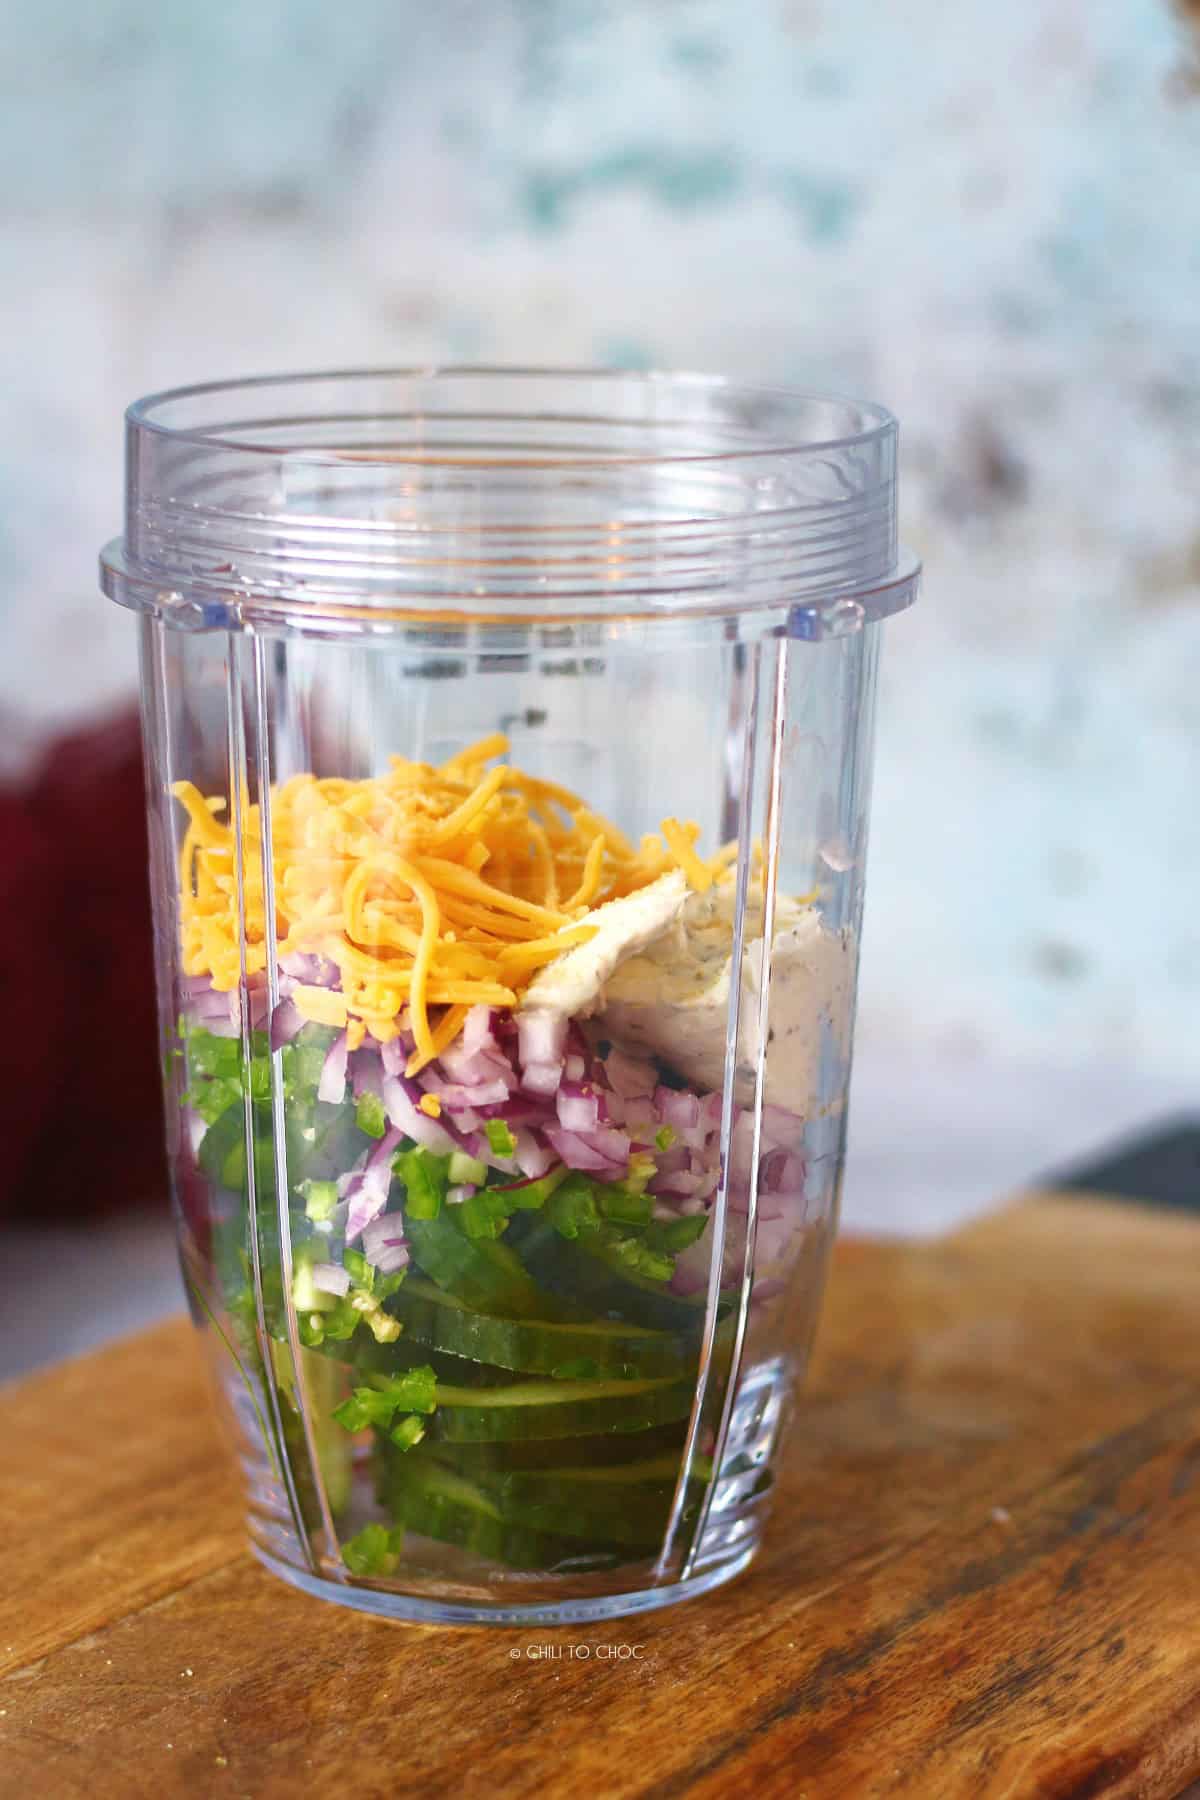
(509, 744)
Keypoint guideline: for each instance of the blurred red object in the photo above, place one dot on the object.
(80, 1103)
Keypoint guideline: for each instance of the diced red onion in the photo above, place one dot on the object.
(260, 1004)
(575, 1068)
(774, 1238)
(478, 1032)
(781, 1169)
(681, 1111)
(384, 1244)
(391, 1258)
(541, 1037)
(207, 1004)
(366, 1074)
(533, 1159)
(781, 1129)
(577, 1111)
(522, 1112)
(456, 1195)
(330, 1278)
(602, 1152)
(681, 1182)
(286, 1021)
(641, 1120)
(312, 970)
(671, 1161)
(541, 1078)
(459, 1099)
(332, 1086)
(352, 1177)
(483, 1066)
(741, 1147)
(381, 1156)
(404, 1114)
(366, 1203)
(386, 1230)
(770, 1206)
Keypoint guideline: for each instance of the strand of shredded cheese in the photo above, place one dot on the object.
(426, 887)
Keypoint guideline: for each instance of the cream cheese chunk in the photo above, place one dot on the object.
(572, 985)
(672, 999)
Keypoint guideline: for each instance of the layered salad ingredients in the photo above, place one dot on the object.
(490, 1085)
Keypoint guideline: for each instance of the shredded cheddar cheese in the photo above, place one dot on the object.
(427, 887)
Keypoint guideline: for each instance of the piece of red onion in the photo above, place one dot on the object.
(541, 1037)
(781, 1169)
(382, 1233)
(366, 1074)
(332, 1086)
(541, 1078)
(407, 1118)
(533, 1159)
(456, 1098)
(483, 1066)
(366, 1203)
(682, 1181)
(478, 1032)
(310, 969)
(286, 1021)
(330, 1278)
(602, 1152)
(577, 1111)
(391, 1258)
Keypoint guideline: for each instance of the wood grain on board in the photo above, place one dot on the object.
(982, 1578)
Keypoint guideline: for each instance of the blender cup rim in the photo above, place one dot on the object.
(338, 502)
(878, 422)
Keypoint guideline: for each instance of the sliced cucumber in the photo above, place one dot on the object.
(593, 1277)
(538, 1346)
(484, 1462)
(480, 1271)
(628, 1504)
(435, 1501)
(555, 1409)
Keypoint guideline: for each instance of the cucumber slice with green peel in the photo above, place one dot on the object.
(660, 1470)
(435, 1501)
(481, 1271)
(593, 1277)
(485, 1462)
(376, 1362)
(555, 1409)
(627, 1503)
(596, 1348)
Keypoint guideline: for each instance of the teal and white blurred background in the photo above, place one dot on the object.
(986, 216)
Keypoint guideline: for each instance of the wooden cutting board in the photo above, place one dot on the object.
(982, 1578)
